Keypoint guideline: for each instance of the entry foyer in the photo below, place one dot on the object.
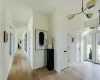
(49, 39)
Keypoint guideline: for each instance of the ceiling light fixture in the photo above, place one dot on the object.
(89, 5)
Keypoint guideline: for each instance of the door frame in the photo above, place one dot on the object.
(92, 47)
(93, 33)
(10, 43)
(78, 35)
(96, 48)
(29, 45)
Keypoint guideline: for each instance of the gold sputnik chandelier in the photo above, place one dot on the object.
(89, 5)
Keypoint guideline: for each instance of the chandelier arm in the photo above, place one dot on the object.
(78, 13)
(82, 5)
(84, 12)
(85, 9)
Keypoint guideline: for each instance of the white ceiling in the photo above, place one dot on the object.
(22, 9)
(46, 5)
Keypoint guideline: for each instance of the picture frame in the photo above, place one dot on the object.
(5, 36)
(72, 39)
(41, 37)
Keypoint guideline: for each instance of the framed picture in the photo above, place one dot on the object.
(25, 42)
(72, 39)
(5, 36)
(40, 39)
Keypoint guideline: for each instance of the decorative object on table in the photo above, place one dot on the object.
(52, 43)
(92, 27)
(40, 39)
(49, 46)
(89, 5)
(50, 59)
(90, 54)
(5, 36)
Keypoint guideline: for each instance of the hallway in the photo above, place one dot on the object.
(20, 69)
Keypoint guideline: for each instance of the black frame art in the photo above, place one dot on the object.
(41, 37)
(5, 36)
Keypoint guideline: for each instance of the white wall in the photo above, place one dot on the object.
(37, 58)
(40, 22)
(75, 25)
(5, 47)
(23, 38)
(58, 23)
(1, 61)
(54, 24)
(6, 59)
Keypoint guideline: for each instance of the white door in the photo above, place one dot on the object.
(78, 47)
(64, 63)
(98, 48)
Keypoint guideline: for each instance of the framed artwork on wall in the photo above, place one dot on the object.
(72, 39)
(5, 36)
(40, 39)
(25, 42)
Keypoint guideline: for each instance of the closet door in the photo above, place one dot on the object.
(64, 63)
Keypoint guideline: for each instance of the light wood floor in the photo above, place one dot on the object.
(21, 70)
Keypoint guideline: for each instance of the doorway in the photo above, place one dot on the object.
(89, 46)
(97, 47)
(93, 46)
(78, 47)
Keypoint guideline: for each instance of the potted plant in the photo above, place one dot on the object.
(90, 54)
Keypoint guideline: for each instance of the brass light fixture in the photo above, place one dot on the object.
(89, 5)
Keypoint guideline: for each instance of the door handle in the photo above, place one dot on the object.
(65, 51)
